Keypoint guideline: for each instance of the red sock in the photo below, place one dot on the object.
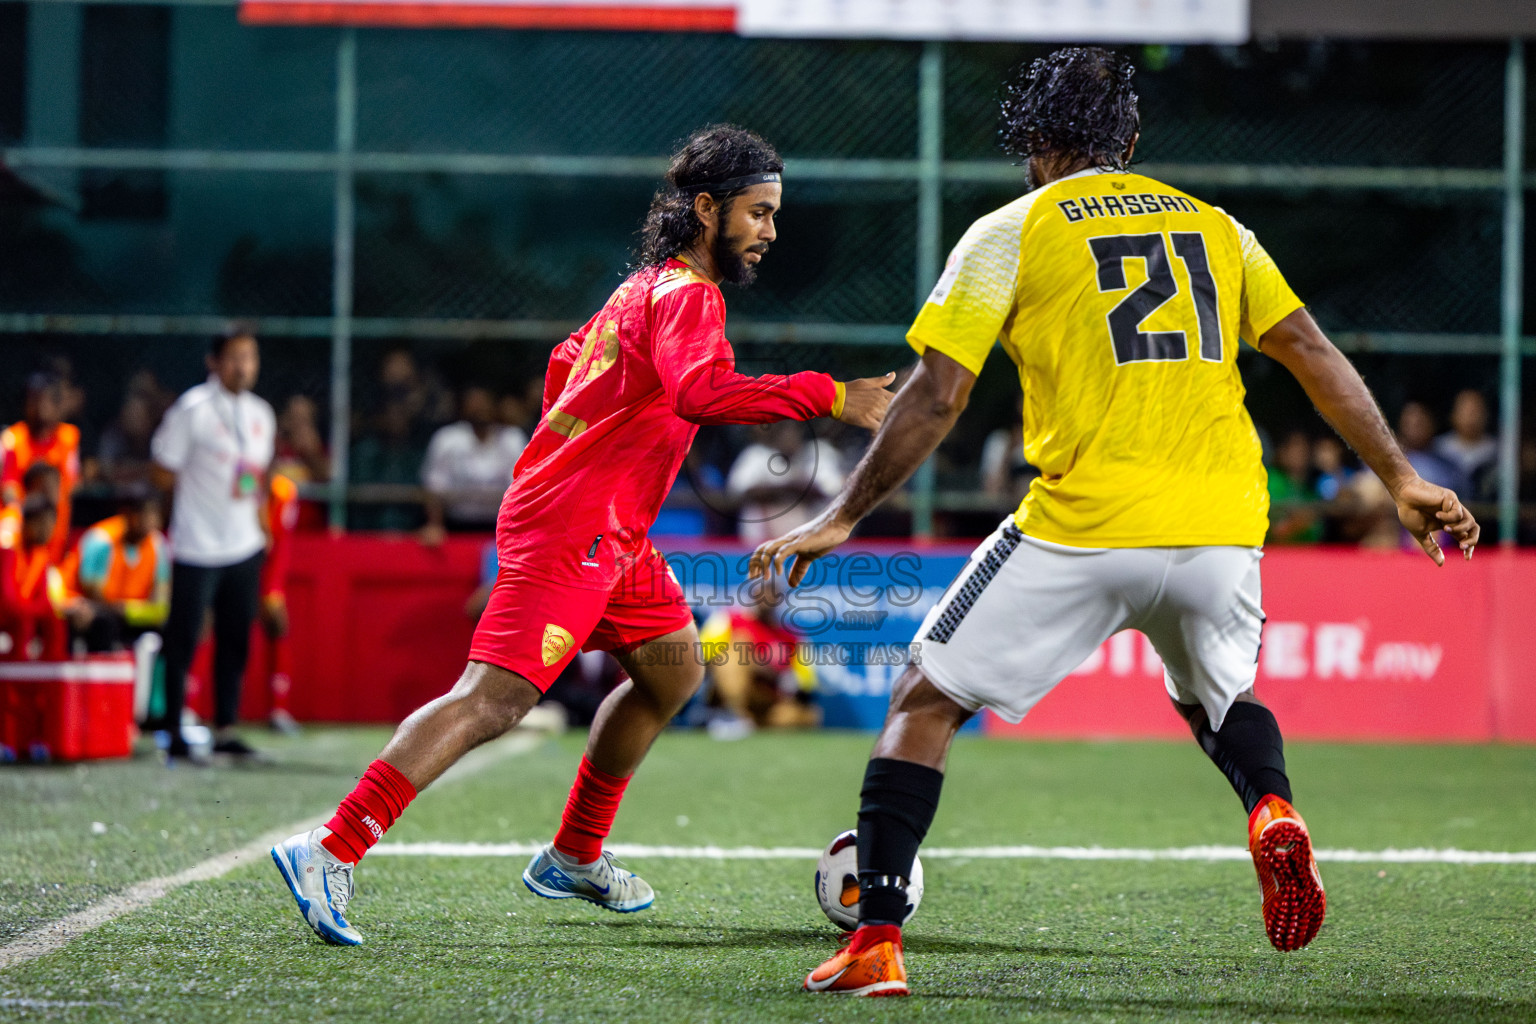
(382, 794)
(589, 812)
(873, 934)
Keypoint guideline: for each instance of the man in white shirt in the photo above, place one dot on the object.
(782, 481)
(214, 448)
(469, 467)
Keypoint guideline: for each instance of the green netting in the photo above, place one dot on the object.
(630, 93)
(1335, 102)
(507, 246)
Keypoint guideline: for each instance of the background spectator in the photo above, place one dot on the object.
(1330, 460)
(32, 597)
(423, 398)
(755, 670)
(1416, 433)
(215, 447)
(782, 481)
(1469, 446)
(301, 455)
(123, 569)
(468, 467)
(43, 436)
(1291, 520)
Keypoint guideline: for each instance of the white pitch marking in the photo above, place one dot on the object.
(57, 934)
(1176, 853)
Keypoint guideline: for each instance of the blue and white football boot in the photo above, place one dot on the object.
(321, 885)
(552, 875)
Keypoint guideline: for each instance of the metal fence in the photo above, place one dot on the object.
(464, 189)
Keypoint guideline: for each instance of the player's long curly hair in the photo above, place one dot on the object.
(717, 152)
(1077, 101)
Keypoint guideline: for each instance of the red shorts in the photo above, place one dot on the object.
(534, 626)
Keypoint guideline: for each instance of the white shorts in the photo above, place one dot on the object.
(1023, 613)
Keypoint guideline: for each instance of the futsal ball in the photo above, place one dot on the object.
(837, 882)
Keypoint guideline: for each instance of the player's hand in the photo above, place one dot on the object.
(1425, 509)
(432, 535)
(805, 544)
(865, 401)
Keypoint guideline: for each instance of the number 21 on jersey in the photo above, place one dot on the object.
(1131, 343)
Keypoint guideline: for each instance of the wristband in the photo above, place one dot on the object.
(838, 399)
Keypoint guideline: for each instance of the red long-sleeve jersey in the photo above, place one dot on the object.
(623, 399)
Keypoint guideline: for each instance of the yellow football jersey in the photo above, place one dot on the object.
(1121, 300)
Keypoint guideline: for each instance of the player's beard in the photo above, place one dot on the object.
(730, 258)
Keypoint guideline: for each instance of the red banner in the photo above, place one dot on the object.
(1358, 645)
(656, 16)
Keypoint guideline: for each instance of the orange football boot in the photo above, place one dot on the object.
(1294, 901)
(869, 964)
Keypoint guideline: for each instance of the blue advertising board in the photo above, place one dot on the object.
(856, 611)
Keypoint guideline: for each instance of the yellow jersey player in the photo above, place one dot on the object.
(1122, 301)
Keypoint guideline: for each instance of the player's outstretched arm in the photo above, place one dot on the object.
(919, 417)
(1342, 398)
(716, 394)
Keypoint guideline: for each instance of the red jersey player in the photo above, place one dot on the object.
(623, 399)
(272, 618)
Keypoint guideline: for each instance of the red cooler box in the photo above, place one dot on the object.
(67, 710)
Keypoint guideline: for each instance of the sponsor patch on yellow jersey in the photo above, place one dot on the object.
(1122, 302)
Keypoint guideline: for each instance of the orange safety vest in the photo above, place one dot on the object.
(62, 451)
(126, 581)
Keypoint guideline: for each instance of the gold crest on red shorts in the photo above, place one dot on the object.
(556, 642)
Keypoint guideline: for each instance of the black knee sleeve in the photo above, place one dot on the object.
(897, 805)
(1249, 751)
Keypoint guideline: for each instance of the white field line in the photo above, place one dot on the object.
(57, 934)
(1183, 853)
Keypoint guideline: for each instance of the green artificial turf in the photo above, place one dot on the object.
(70, 834)
(460, 939)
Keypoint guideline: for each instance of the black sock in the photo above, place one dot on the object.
(897, 805)
(1249, 751)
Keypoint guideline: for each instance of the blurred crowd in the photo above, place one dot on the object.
(1319, 492)
(429, 458)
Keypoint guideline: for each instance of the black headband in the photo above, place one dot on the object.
(734, 184)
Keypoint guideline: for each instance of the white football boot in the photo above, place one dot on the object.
(551, 874)
(321, 885)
